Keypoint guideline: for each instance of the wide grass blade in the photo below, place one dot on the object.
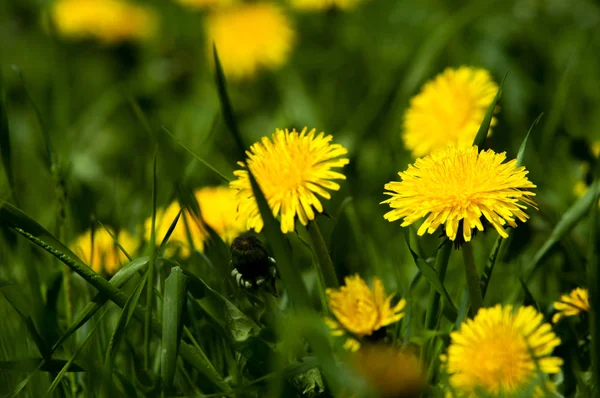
(432, 277)
(5, 148)
(174, 298)
(501, 243)
(593, 260)
(567, 222)
(18, 220)
(484, 128)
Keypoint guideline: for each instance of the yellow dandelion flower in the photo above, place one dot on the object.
(360, 310)
(102, 253)
(200, 4)
(250, 37)
(571, 304)
(189, 233)
(497, 351)
(109, 21)
(319, 5)
(596, 149)
(456, 187)
(389, 371)
(290, 169)
(218, 206)
(448, 110)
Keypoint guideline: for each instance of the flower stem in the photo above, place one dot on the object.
(472, 278)
(325, 265)
(441, 265)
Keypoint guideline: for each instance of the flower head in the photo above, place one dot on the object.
(290, 169)
(360, 310)
(456, 187)
(249, 37)
(571, 304)
(98, 249)
(109, 21)
(500, 350)
(319, 5)
(448, 110)
(390, 372)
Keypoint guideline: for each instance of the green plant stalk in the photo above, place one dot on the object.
(195, 357)
(472, 278)
(325, 269)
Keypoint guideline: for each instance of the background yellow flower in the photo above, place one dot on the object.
(250, 37)
(100, 252)
(493, 351)
(456, 187)
(290, 168)
(199, 4)
(360, 310)
(574, 303)
(448, 110)
(110, 21)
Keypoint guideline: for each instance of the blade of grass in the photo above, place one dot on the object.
(484, 128)
(150, 272)
(30, 365)
(174, 298)
(432, 277)
(118, 334)
(594, 280)
(5, 148)
(289, 274)
(567, 222)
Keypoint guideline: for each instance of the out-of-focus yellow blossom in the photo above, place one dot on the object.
(319, 5)
(98, 249)
(201, 4)
(571, 304)
(218, 206)
(250, 37)
(448, 111)
(110, 21)
(360, 310)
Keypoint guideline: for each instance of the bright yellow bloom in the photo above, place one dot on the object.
(218, 206)
(493, 351)
(456, 187)
(448, 110)
(389, 371)
(360, 310)
(109, 21)
(103, 255)
(199, 4)
(313, 5)
(250, 37)
(290, 169)
(571, 304)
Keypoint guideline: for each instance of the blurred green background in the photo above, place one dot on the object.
(350, 74)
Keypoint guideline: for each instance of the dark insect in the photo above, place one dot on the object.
(251, 265)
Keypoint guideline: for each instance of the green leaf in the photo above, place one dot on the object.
(432, 277)
(484, 128)
(568, 220)
(29, 365)
(174, 298)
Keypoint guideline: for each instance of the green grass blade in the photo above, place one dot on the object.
(119, 332)
(502, 244)
(30, 365)
(67, 366)
(484, 128)
(432, 277)
(568, 220)
(174, 298)
(593, 258)
(150, 272)
(5, 148)
(197, 157)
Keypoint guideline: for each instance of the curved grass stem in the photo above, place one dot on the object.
(325, 269)
(472, 278)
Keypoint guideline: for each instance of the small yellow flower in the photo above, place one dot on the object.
(497, 351)
(448, 110)
(319, 5)
(102, 253)
(390, 372)
(109, 21)
(218, 206)
(250, 37)
(360, 310)
(200, 4)
(456, 187)
(571, 304)
(290, 169)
